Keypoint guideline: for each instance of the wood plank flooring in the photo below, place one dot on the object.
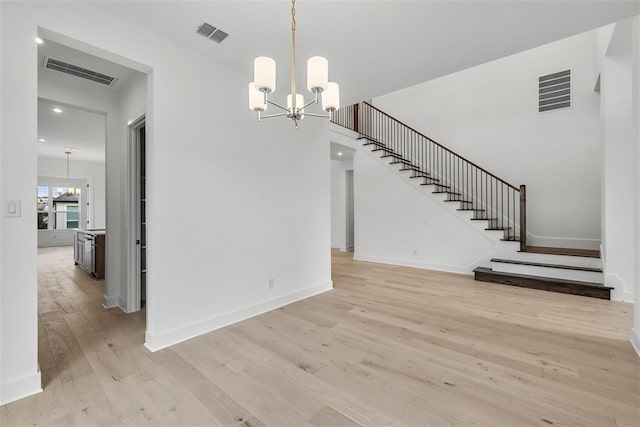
(388, 346)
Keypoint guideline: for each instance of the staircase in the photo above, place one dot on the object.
(483, 197)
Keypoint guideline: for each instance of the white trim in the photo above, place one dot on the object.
(175, 336)
(110, 302)
(618, 293)
(635, 341)
(416, 264)
(20, 388)
(626, 297)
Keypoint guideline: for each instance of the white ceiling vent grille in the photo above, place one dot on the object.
(554, 91)
(63, 67)
(212, 33)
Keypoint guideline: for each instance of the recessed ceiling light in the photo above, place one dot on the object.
(39, 40)
(57, 110)
(41, 140)
(339, 153)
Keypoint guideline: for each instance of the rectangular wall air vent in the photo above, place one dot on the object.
(212, 33)
(554, 91)
(63, 67)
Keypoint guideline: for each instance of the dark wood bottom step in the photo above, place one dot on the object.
(563, 251)
(563, 286)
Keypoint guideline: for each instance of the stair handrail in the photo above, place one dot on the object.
(437, 143)
(352, 117)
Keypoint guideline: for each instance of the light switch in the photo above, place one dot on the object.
(12, 209)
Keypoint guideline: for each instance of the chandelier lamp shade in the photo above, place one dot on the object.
(264, 83)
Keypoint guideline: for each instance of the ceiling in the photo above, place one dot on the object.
(373, 47)
(341, 152)
(71, 128)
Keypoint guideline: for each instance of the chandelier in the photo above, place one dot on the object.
(68, 151)
(264, 75)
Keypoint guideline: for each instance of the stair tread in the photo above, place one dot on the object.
(548, 265)
(484, 219)
(461, 201)
(542, 279)
(563, 251)
(499, 228)
(470, 209)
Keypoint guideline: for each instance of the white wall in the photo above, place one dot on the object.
(488, 114)
(338, 203)
(3, 294)
(399, 222)
(254, 198)
(620, 165)
(635, 37)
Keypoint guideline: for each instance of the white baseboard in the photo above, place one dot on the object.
(627, 297)
(635, 341)
(110, 302)
(617, 293)
(413, 263)
(20, 388)
(174, 336)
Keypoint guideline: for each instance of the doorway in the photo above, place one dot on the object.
(349, 204)
(137, 283)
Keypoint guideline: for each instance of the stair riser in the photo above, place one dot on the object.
(545, 286)
(574, 261)
(556, 273)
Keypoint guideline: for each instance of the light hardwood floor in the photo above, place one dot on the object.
(388, 346)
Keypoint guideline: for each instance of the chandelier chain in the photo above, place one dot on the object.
(294, 89)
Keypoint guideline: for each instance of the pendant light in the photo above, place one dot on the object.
(264, 83)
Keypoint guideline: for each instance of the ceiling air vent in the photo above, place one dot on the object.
(212, 33)
(63, 67)
(554, 91)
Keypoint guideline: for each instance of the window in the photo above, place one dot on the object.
(43, 207)
(73, 219)
(58, 207)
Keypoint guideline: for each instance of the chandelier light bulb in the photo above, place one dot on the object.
(331, 97)
(317, 74)
(264, 74)
(256, 98)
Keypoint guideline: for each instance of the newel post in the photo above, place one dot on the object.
(523, 218)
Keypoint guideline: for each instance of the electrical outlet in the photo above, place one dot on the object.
(271, 283)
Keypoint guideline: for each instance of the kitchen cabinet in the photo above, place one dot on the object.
(89, 250)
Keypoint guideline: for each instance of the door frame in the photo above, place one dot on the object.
(349, 238)
(133, 213)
